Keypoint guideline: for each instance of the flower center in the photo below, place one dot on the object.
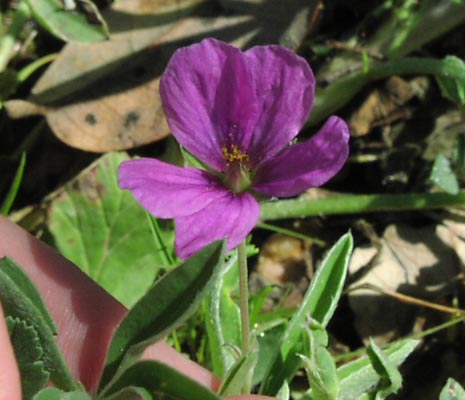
(232, 154)
(237, 175)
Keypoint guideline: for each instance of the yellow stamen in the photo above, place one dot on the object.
(232, 154)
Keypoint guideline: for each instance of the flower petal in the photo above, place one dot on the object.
(168, 191)
(208, 99)
(285, 89)
(306, 165)
(232, 216)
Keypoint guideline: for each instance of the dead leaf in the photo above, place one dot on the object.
(104, 96)
(442, 139)
(419, 262)
(283, 261)
(384, 106)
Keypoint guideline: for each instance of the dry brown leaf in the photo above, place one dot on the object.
(282, 262)
(384, 106)
(442, 139)
(282, 259)
(452, 230)
(418, 262)
(104, 96)
(106, 121)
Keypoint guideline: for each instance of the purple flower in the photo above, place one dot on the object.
(236, 112)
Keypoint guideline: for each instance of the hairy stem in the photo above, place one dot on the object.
(244, 308)
(354, 204)
(244, 296)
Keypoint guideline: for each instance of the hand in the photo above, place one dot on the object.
(86, 317)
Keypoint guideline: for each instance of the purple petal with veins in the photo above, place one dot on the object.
(232, 217)
(169, 191)
(305, 165)
(237, 113)
(209, 99)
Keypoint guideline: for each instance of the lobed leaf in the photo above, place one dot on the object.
(29, 356)
(21, 300)
(104, 231)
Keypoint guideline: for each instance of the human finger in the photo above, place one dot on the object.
(86, 315)
(10, 386)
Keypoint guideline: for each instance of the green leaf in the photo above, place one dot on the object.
(256, 303)
(69, 25)
(453, 88)
(11, 195)
(458, 154)
(52, 393)
(8, 84)
(269, 336)
(334, 96)
(443, 176)
(452, 391)
(165, 254)
(390, 378)
(240, 374)
(172, 300)
(319, 364)
(29, 356)
(284, 393)
(21, 300)
(104, 231)
(222, 319)
(324, 292)
(131, 392)
(12, 32)
(358, 377)
(319, 303)
(27, 289)
(162, 382)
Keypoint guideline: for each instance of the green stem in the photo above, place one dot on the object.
(399, 36)
(330, 99)
(244, 309)
(12, 36)
(11, 195)
(244, 297)
(353, 204)
(165, 255)
(29, 69)
(291, 233)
